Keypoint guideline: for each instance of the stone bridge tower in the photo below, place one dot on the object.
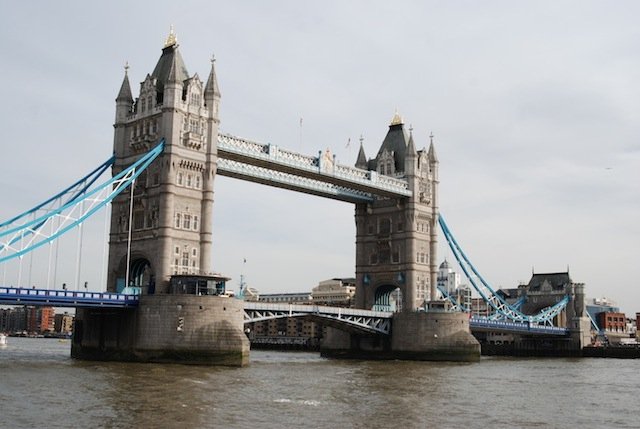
(169, 221)
(396, 264)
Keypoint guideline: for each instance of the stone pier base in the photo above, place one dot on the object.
(207, 330)
(437, 336)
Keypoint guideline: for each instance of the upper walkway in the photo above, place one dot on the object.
(322, 175)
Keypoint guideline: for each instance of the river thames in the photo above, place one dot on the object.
(41, 386)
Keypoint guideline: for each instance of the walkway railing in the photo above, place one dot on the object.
(65, 298)
(322, 168)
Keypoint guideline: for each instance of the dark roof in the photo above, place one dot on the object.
(557, 280)
(170, 67)
(125, 90)
(361, 162)
(395, 142)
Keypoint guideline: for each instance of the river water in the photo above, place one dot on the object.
(41, 386)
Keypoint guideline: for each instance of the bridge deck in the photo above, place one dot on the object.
(321, 175)
(65, 298)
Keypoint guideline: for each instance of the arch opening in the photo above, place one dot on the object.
(388, 298)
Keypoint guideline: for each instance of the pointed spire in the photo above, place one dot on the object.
(432, 149)
(411, 146)
(361, 162)
(125, 89)
(211, 88)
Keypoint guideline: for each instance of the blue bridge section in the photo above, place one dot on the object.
(483, 324)
(65, 298)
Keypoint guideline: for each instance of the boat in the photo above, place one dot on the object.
(3, 340)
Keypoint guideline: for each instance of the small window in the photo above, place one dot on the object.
(179, 179)
(178, 220)
(195, 223)
(187, 222)
(177, 250)
(188, 184)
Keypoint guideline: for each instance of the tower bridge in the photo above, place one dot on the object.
(161, 227)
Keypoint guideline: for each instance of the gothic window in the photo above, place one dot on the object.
(198, 181)
(195, 223)
(384, 255)
(143, 105)
(188, 184)
(138, 219)
(384, 227)
(178, 220)
(396, 256)
(187, 222)
(150, 102)
(179, 178)
(185, 259)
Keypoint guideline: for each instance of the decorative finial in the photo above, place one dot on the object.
(171, 38)
(361, 139)
(397, 119)
(431, 137)
(411, 128)
(126, 68)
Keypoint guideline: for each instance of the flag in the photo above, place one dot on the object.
(301, 122)
(348, 142)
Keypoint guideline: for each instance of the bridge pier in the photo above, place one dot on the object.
(185, 329)
(429, 336)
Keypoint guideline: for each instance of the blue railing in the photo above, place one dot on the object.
(65, 298)
(482, 323)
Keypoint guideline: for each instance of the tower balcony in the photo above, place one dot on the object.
(144, 142)
(193, 140)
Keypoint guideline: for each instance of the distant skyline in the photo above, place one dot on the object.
(533, 106)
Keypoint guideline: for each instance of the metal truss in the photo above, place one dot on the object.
(266, 176)
(65, 196)
(371, 322)
(322, 169)
(39, 226)
(499, 305)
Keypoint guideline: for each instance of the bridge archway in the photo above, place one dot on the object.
(141, 275)
(388, 297)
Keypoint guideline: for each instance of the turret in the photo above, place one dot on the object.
(361, 162)
(212, 91)
(124, 100)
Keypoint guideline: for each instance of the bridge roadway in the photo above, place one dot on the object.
(65, 298)
(350, 319)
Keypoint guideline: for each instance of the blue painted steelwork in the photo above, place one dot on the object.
(74, 191)
(487, 293)
(65, 298)
(17, 240)
(486, 324)
(454, 302)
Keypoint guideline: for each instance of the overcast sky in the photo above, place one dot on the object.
(534, 107)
